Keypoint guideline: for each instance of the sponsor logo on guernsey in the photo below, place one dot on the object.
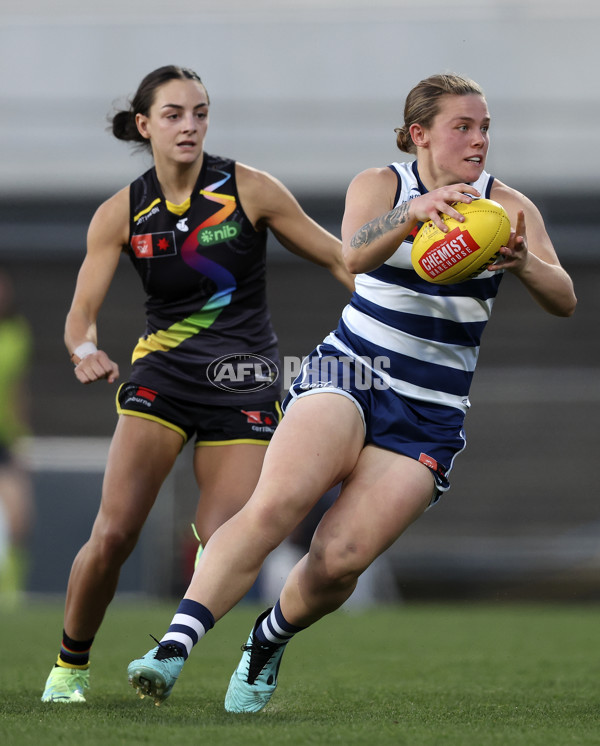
(413, 234)
(242, 372)
(153, 245)
(414, 193)
(448, 251)
(182, 225)
(147, 215)
(219, 233)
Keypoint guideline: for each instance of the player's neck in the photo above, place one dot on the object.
(431, 177)
(177, 181)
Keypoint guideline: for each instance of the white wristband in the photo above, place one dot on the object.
(85, 349)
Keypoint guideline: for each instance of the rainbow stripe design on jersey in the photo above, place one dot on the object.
(167, 339)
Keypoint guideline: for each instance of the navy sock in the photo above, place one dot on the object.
(191, 622)
(275, 628)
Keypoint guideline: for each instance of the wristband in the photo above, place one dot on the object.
(84, 349)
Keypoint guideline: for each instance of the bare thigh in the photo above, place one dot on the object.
(226, 476)
(385, 493)
(141, 455)
(315, 447)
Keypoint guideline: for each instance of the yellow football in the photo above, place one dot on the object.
(467, 249)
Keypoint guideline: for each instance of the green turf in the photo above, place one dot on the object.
(435, 675)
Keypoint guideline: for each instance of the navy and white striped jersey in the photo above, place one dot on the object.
(427, 335)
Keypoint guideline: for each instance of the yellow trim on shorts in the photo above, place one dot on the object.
(152, 418)
(238, 441)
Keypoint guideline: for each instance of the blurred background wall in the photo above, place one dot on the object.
(311, 90)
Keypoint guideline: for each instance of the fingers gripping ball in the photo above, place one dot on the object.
(467, 249)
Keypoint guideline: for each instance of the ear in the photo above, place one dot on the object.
(141, 122)
(419, 135)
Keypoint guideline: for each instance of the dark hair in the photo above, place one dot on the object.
(423, 103)
(123, 122)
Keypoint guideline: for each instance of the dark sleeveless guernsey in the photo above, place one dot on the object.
(202, 265)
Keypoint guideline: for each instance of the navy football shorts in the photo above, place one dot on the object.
(210, 424)
(429, 433)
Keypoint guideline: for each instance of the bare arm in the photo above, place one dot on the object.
(268, 203)
(373, 229)
(107, 233)
(530, 254)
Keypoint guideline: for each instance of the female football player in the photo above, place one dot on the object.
(195, 227)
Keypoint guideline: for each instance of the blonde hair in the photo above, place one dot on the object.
(423, 103)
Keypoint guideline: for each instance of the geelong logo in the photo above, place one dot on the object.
(241, 373)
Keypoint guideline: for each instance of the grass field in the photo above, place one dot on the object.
(435, 675)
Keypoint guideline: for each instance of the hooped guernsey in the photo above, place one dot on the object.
(203, 267)
(429, 335)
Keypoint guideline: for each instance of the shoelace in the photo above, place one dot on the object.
(78, 680)
(165, 652)
(260, 655)
(82, 679)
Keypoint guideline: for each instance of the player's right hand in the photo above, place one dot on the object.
(431, 205)
(96, 367)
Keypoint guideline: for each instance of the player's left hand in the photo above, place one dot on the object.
(513, 257)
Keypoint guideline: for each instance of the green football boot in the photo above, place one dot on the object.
(66, 685)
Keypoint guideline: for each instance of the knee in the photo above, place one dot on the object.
(270, 522)
(337, 564)
(112, 544)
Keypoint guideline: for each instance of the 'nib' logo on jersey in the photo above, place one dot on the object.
(219, 233)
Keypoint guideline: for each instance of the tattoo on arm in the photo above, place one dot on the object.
(380, 226)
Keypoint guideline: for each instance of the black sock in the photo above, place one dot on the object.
(74, 653)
